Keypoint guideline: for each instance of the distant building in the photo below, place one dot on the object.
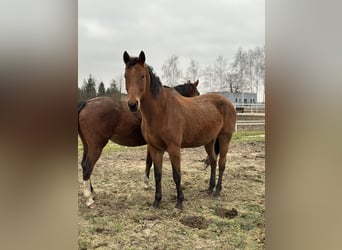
(239, 98)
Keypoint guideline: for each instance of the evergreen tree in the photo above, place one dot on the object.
(101, 90)
(89, 87)
(80, 94)
(113, 90)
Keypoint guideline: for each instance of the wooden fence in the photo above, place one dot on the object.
(250, 119)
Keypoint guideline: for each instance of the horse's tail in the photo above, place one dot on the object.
(217, 147)
(84, 163)
(81, 105)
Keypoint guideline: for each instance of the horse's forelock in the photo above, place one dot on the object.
(155, 81)
(132, 62)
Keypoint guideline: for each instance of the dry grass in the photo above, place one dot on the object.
(123, 218)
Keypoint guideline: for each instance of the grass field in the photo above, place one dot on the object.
(123, 218)
(237, 137)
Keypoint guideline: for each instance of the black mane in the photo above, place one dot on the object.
(183, 89)
(155, 81)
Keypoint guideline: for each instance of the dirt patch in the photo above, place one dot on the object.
(123, 217)
(226, 213)
(195, 222)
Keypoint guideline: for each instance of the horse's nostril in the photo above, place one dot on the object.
(133, 107)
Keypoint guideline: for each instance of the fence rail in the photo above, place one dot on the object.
(250, 119)
(251, 108)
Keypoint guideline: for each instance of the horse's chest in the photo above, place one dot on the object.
(153, 135)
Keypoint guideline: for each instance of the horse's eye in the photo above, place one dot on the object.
(142, 77)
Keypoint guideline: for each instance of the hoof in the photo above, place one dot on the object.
(217, 194)
(179, 206)
(90, 202)
(156, 204)
(147, 183)
(210, 191)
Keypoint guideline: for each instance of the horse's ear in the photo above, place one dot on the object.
(196, 83)
(142, 57)
(126, 57)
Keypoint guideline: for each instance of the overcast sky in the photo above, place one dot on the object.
(191, 29)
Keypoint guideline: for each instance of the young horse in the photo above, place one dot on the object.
(104, 118)
(171, 122)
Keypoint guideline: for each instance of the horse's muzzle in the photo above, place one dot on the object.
(133, 107)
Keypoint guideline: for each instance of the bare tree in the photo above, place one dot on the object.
(232, 78)
(259, 68)
(192, 72)
(221, 70)
(171, 72)
(119, 82)
(238, 67)
(250, 68)
(208, 74)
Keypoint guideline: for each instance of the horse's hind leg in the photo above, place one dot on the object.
(224, 145)
(217, 151)
(209, 148)
(88, 164)
(85, 165)
(147, 171)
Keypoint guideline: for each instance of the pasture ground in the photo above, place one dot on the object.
(123, 217)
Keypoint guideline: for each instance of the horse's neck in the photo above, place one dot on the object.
(153, 106)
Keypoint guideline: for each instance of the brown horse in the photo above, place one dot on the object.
(171, 122)
(104, 118)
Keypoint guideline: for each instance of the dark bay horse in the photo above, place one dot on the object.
(171, 122)
(104, 118)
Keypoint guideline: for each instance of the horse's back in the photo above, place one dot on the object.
(215, 103)
(100, 108)
(205, 117)
(226, 108)
(98, 116)
(107, 118)
(196, 121)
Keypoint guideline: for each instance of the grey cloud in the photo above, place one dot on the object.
(202, 30)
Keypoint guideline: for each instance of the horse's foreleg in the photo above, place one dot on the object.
(209, 148)
(224, 145)
(147, 171)
(174, 153)
(157, 158)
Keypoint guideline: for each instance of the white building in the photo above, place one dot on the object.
(239, 98)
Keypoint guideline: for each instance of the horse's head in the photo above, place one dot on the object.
(192, 89)
(188, 89)
(137, 78)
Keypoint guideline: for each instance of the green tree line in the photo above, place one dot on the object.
(90, 89)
